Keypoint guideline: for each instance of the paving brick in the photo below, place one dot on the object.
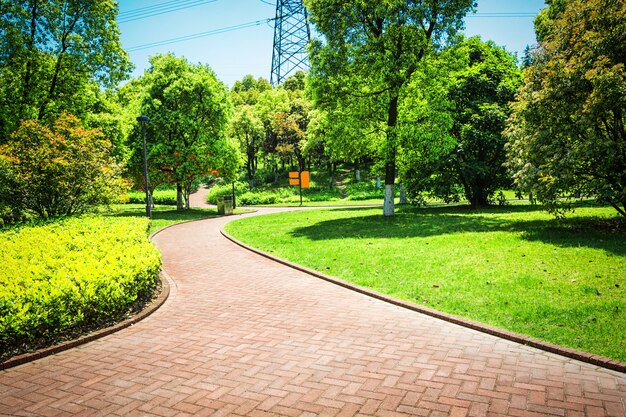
(242, 335)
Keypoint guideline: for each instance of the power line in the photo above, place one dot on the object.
(147, 8)
(159, 9)
(175, 5)
(198, 35)
(501, 15)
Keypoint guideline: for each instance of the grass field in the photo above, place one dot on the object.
(514, 267)
(163, 216)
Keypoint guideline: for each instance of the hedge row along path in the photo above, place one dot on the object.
(242, 335)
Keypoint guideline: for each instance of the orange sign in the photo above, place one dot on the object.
(304, 176)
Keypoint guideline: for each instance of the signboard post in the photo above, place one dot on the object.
(301, 179)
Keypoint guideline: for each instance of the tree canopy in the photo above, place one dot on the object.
(370, 52)
(189, 111)
(479, 80)
(567, 133)
(52, 53)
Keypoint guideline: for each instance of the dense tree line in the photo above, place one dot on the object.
(567, 134)
(68, 133)
(58, 152)
(394, 87)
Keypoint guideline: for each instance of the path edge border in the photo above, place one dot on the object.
(589, 358)
(90, 337)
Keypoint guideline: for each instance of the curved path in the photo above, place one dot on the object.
(242, 335)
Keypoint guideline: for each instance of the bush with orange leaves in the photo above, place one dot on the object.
(56, 171)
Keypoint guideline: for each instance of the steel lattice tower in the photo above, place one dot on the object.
(291, 37)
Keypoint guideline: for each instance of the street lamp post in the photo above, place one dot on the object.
(142, 120)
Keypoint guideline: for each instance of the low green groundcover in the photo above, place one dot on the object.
(62, 278)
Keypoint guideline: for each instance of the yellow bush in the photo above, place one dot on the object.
(60, 278)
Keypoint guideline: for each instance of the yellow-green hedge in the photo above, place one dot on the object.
(58, 279)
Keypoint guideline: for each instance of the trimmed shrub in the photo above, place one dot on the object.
(60, 279)
(223, 189)
(319, 193)
(364, 190)
(255, 199)
(161, 197)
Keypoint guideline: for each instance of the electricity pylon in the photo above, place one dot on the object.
(291, 37)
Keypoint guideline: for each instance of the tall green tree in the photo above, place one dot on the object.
(246, 129)
(51, 53)
(248, 89)
(290, 128)
(128, 101)
(480, 80)
(270, 103)
(567, 134)
(370, 52)
(189, 110)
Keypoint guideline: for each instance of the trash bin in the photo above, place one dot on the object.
(225, 204)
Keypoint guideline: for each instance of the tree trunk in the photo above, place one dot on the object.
(331, 179)
(478, 200)
(26, 88)
(389, 203)
(357, 170)
(390, 165)
(249, 172)
(476, 194)
(57, 68)
(179, 196)
(403, 199)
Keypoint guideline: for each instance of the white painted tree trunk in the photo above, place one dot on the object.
(403, 199)
(377, 182)
(389, 205)
(358, 174)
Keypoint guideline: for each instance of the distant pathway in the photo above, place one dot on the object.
(241, 335)
(198, 199)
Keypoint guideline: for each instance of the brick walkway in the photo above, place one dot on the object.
(242, 335)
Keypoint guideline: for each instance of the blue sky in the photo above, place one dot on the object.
(248, 50)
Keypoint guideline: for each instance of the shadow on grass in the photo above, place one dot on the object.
(593, 232)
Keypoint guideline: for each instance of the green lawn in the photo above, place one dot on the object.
(163, 216)
(514, 267)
